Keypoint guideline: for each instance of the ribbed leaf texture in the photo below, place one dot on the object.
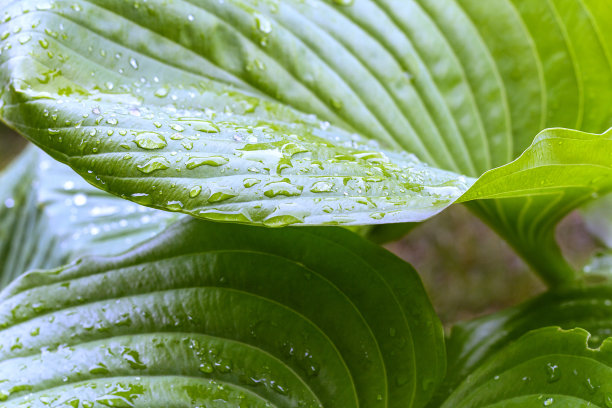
(223, 315)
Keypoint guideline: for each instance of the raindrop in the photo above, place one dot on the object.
(322, 187)
(24, 38)
(263, 24)
(553, 372)
(134, 63)
(161, 92)
(195, 191)
(156, 163)
(214, 161)
(250, 182)
(150, 140)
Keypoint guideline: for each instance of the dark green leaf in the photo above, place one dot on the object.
(196, 110)
(207, 312)
(546, 367)
(472, 343)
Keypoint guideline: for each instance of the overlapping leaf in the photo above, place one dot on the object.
(224, 315)
(473, 343)
(49, 216)
(185, 106)
(546, 367)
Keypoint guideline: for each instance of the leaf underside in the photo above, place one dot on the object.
(49, 216)
(207, 312)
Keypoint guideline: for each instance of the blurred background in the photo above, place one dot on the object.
(467, 269)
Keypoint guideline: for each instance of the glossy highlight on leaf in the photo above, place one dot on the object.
(223, 315)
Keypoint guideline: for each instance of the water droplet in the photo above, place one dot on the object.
(176, 127)
(195, 191)
(553, 372)
(202, 125)
(99, 368)
(322, 187)
(214, 161)
(206, 367)
(134, 63)
(591, 388)
(43, 43)
(24, 38)
(263, 24)
(220, 196)
(161, 92)
(548, 402)
(150, 140)
(156, 163)
(250, 182)
(283, 187)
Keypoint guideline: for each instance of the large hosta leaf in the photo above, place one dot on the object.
(49, 216)
(210, 314)
(546, 367)
(186, 105)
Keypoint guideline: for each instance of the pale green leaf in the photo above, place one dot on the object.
(49, 216)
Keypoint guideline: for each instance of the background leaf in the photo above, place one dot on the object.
(472, 343)
(238, 316)
(546, 367)
(49, 216)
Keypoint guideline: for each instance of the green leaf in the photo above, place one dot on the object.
(545, 367)
(211, 312)
(247, 111)
(472, 343)
(49, 216)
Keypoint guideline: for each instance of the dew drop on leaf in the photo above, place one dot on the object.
(155, 163)
(134, 63)
(322, 187)
(161, 92)
(150, 140)
(214, 161)
(195, 191)
(553, 373)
